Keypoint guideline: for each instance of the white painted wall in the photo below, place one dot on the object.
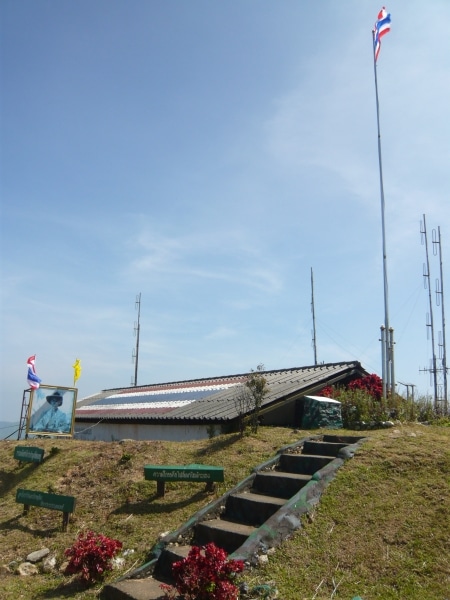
(113, 432)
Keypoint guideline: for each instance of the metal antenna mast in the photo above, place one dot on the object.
(137, 328)
(430, 323)
(440, 301)
(314, 319)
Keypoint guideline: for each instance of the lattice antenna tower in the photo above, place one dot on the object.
(437, 251)
(429, 321)
(137, 329)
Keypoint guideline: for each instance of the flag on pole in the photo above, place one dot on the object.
(382, 26)
(76, 371)
(33, 379)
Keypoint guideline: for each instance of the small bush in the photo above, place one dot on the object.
(125, 458)
(362, 403)
(91, 555)
(358, 406)
(205, 574)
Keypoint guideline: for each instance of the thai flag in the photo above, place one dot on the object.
(382, 26)
(33, 379)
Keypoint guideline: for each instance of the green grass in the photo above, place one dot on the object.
(381, 530)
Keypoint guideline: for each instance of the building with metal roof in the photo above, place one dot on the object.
(199, 408)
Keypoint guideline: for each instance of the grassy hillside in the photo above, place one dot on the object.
(382, 529)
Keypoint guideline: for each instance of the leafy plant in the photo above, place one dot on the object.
(125, 458)
(211, 431)
(362, 402)
(205, 574)
(358, 406)
(249, 399)
(91, 555)
(258, 389)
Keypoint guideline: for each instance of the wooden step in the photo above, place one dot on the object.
(225, 533)
(252, 508)
(280, 484)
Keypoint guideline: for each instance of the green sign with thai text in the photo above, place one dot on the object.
(28, 454)
(183, 473)
(43, 500)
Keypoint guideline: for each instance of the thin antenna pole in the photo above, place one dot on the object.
(444, 348)
(313, 318)
(431, 323)
(387, 354)
(137, 329)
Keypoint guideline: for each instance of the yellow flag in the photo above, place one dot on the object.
(76, 371)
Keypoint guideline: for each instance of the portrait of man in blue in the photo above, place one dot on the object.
(53, 420)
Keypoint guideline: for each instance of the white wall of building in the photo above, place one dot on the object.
(113, 432)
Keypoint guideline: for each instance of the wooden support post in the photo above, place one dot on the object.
(210, 486)
(160, 488)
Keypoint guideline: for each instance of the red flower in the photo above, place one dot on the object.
(91, 555)
(205, 574)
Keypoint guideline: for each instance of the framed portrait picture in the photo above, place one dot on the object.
(51, 411)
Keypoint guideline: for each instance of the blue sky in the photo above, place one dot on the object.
(207, 155)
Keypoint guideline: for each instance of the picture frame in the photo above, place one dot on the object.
(51, 411)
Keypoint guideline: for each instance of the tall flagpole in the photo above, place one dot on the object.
(381, 27)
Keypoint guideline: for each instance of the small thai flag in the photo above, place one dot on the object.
(382, 26)
(33, 379)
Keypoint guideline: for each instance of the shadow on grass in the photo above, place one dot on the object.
(11, 479)
(15, 524)
(68, 590)
(217, 445)
(154, 505)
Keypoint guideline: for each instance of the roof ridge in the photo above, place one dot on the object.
(221, 378)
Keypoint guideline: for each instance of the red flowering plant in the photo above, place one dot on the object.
(91, 555)
(372, 384)
(329, 392)
(205, 574)
(361, 401)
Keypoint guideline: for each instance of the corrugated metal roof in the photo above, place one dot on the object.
(213, 399)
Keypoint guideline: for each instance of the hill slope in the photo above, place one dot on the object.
(382, 528)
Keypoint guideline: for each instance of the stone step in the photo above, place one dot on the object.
(134, 589)
(308, 464)
(279, 483)
(346, 439)
(252, 508)
(170, 555)
(323, 448)
(225, 533)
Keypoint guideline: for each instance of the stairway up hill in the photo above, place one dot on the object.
(257, 514)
